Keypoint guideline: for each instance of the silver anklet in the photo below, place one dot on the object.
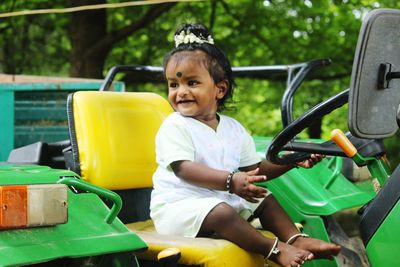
(294, 237)
(274, 250)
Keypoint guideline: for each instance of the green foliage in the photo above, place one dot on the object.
(36, 45)
(250, 32)
(262, 116)
(392, 147)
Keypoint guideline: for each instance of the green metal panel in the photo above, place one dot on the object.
(6, 123)
(309, 195)
(32, 112)
(49, 109)
(59, 86)
(317, 191)
(384, 245)
(313, 226)
(29, 134)
(85, 234)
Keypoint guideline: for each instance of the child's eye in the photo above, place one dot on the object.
(172, 85)
(193, 82)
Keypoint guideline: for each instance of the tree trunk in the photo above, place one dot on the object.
(91, 42)
(87, 29)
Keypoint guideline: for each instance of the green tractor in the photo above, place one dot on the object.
(44, 221)
(97, 212)
(373, 115)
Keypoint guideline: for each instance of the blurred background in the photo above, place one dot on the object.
(276, 32)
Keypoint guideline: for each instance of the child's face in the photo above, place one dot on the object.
(191, 89)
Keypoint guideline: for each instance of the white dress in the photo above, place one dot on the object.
(178, 207)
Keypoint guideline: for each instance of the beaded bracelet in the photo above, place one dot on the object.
(229, 182)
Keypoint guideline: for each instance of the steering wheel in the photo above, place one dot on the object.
(284, 141)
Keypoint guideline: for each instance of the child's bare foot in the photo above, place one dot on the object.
(291, 256)
(321, 249)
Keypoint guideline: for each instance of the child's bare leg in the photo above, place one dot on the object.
(227, 223)
(275, 219)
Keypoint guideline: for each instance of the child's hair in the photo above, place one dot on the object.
(191, 37)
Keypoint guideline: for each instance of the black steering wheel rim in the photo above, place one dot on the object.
(283, 141)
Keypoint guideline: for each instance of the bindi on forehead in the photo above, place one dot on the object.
(179, 74)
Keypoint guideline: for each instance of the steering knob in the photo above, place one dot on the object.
(343, 142)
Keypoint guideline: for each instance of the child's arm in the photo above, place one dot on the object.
(200, 175)
(272, 170)
(204, 176)
(269, 169)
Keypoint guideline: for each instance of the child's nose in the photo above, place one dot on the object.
(182, 90)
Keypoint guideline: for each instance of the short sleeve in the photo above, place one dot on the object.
(173, 143)
(248, 155)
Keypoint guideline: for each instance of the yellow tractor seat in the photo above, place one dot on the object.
(112, 138)
(208, 252)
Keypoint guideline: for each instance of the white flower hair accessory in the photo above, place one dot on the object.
(190, 38)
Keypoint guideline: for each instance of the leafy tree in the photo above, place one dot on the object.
(88, 43)
(34, 44)
(92, 41)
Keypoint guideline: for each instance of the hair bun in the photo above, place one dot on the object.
(193, 34)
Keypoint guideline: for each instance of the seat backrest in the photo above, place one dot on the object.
(112, 136)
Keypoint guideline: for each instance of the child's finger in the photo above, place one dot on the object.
(253, 172)
(307, 164)
(252, 199)
(255, 198)
(257, 178)
(256, 190)
(317, 157)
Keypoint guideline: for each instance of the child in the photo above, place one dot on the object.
(196, 189)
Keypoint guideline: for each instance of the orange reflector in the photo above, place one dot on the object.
(24, 206)
(13, 206)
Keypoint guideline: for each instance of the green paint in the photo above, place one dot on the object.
(115, 198)
(384, 245)
(377, 167)
(32, 112)
(85, 234)
(321, 190)
(6, 124)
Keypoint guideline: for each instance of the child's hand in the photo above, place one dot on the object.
(242, 185)
(309, 163)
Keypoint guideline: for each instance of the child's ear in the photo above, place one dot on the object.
(222, 88)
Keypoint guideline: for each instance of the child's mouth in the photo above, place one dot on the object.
(185, 101)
